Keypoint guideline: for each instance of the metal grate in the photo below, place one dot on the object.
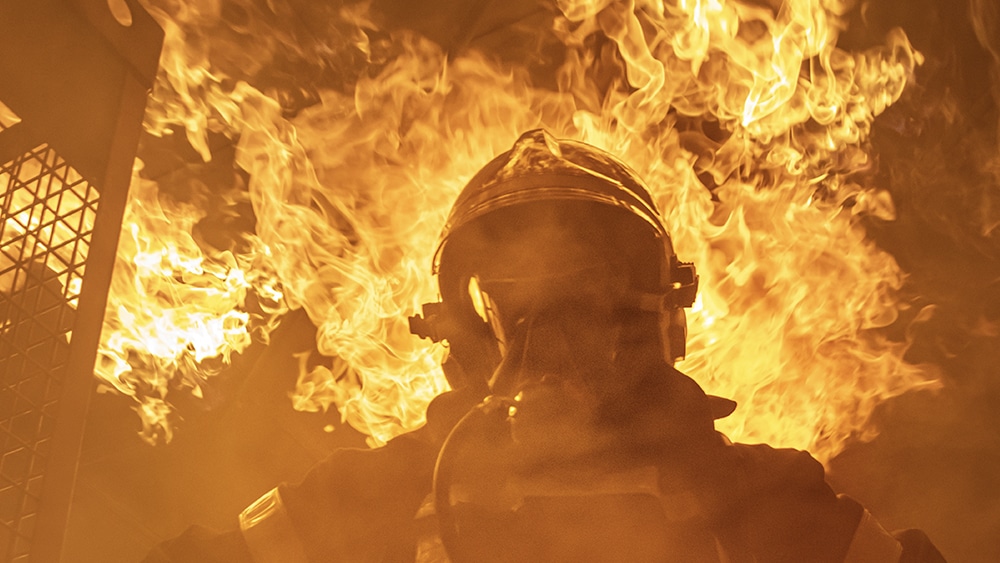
(72, 97)
(48, 213)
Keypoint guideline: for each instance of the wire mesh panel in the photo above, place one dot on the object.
(49, 212)
(73, 85)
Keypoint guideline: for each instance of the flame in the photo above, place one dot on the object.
(747, 121)
(171, 307)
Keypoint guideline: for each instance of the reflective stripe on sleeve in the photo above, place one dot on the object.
(269, 533)
(872, 544)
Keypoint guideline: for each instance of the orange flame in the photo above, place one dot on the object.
(170, 308)
(351, 193)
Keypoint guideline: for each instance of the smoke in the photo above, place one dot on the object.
(939, 158)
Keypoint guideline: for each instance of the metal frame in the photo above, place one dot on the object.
(78, 80)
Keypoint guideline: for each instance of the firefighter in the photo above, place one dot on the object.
(568, 435)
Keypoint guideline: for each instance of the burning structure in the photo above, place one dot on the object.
(302, 156)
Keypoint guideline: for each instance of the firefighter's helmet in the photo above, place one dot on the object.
(545, 218)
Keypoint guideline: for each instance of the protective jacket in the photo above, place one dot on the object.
(693, 497)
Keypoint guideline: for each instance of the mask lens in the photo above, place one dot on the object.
(486, 308)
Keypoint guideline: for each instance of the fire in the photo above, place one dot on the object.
(745, 118)
(171, 309)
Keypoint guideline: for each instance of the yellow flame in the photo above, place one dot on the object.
(351, 193)
(170, 307)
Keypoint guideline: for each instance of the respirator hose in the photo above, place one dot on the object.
(487, 423)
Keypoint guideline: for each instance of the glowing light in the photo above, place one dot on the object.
(350, 194)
